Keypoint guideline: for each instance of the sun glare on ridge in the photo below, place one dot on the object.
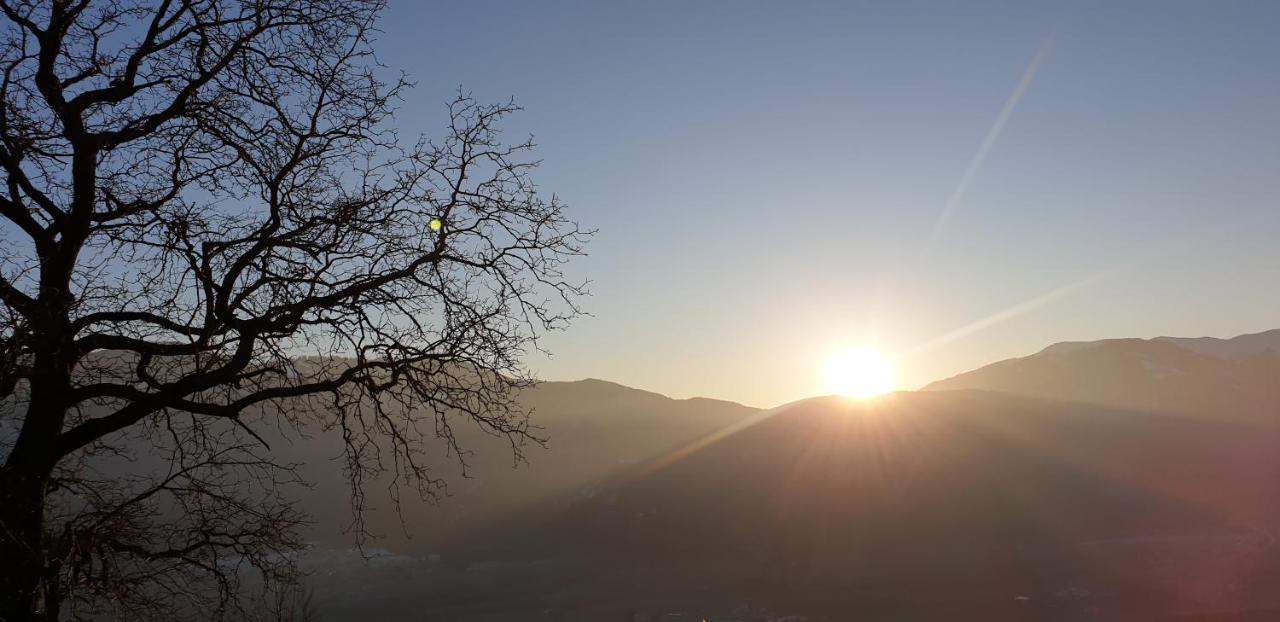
(859, 372)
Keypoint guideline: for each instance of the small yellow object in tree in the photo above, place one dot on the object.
(437, 224)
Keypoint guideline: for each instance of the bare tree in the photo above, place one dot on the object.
(210, 228)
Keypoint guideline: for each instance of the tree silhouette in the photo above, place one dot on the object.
(211, 228)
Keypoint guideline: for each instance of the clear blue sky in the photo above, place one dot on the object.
(767, 178)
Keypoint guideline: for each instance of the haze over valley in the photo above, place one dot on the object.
(1023, 490)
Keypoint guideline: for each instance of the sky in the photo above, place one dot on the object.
(951, 183)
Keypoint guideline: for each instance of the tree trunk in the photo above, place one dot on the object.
(21, 544)
(24, 482)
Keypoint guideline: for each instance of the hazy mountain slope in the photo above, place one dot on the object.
(959, 503)
(1237, 377)
(592, 428)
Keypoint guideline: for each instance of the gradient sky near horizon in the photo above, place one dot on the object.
(957, 183)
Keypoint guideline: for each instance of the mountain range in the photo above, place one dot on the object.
(1123, 479)
(1115, 480)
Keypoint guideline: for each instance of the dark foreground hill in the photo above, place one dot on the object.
(1237, 377)
(934, 505)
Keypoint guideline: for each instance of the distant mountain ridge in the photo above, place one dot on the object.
(1236, 347)
(1237, 377)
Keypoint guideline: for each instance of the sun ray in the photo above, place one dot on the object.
(975, 164)
(1010, 312)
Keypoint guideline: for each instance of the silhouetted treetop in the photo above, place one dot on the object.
(211, 224)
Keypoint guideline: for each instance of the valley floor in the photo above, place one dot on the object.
(1212, 578)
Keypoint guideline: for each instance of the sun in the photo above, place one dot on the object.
(859, 372)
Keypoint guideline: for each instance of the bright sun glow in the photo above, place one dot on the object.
(859, 372)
